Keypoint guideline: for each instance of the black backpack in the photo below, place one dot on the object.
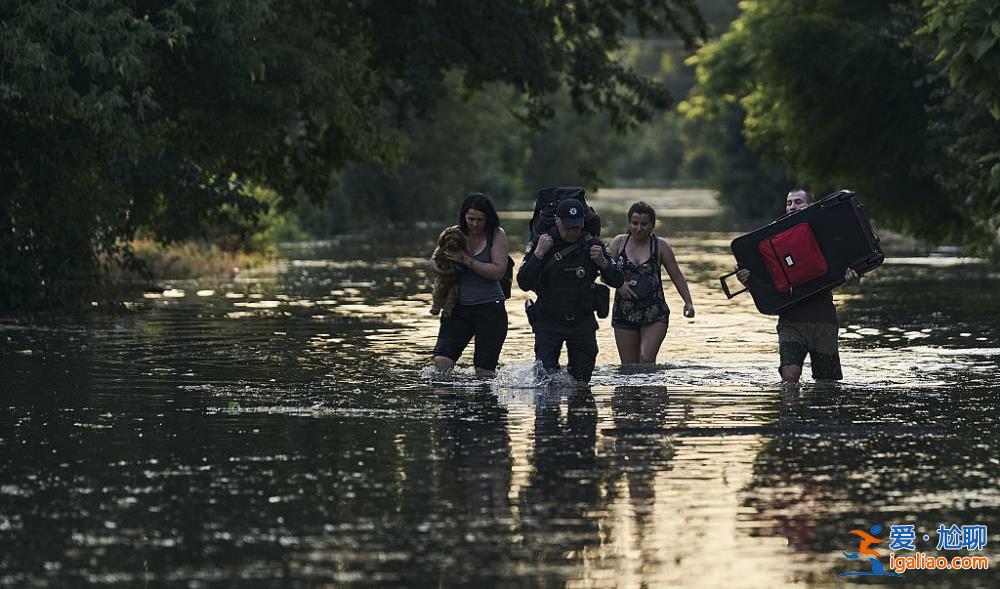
(508, 276)
(544, 217)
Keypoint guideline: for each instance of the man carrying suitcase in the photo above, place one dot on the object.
(810, 326)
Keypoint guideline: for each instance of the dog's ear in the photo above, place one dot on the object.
(446, 233)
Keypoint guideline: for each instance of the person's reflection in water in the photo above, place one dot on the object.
(473, 479)
(799, 466)
(641, 451)
(791, 407)
(560, 503)
(831, 465)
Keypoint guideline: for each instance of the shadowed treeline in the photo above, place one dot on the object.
(237, 124)
(163, 116)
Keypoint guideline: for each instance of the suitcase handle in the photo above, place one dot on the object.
(725, 287)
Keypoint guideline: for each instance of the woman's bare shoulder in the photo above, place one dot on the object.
(666, 252)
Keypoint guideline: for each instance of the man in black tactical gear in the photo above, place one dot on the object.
(561, 267)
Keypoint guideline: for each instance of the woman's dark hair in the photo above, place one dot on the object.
(643, 209)
(480, 202)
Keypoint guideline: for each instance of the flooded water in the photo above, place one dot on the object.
(280, 429)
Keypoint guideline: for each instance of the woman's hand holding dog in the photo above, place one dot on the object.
(458, 257)
(442, 271)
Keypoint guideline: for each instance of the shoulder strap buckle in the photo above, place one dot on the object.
(559, 255)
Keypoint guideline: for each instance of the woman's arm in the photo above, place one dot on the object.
(493, 270)
(615, 249)
(669, 262)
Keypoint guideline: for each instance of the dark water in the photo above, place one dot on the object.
(280, 430)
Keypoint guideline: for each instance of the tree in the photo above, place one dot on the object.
(471, 144)
(964, 38)
(967, 35)
(843, 93)
(714, 124)
(163, 114)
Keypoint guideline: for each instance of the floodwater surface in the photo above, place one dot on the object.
(282, 429)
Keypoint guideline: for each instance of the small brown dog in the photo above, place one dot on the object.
(445, 294)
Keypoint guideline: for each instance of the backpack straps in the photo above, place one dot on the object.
(489, 243)
(552, 259)
(655, 257)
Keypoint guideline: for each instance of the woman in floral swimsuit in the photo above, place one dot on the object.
(641, 315)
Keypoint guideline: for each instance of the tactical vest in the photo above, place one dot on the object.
(565, 286)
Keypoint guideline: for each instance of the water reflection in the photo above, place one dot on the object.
(908, 461)
(278, 429)
(561, 505)
(637, 457)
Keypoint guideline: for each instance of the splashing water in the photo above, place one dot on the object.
(529, 375)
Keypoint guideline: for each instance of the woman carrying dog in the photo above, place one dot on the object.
(480, 310)
(641, 315)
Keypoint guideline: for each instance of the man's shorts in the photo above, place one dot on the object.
(818, 340)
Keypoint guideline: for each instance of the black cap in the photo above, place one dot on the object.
(570, 212)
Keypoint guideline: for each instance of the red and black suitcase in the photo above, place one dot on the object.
(806, 252)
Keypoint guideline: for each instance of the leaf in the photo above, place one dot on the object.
(981, 46)
(988, 157)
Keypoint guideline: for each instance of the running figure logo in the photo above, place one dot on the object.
(863, 549)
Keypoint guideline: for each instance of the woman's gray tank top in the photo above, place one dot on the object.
(473, 289)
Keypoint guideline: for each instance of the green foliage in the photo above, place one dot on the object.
(964, 38)
(467, 145)
(716, 151)
(716, 148)
(161, 114)
(967, 33)
(843, 93)
(654, 153)
(472, 145)
(118, 116)
(573, 150)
